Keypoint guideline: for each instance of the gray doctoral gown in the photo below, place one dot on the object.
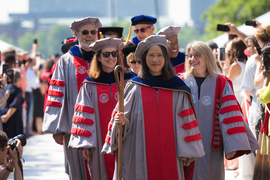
(67, 77)
(93, 110)
(232, 127)
(160, 132)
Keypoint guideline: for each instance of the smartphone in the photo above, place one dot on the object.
(259, 50)
(9, 76)
(221, 54)
(224, 28)
(5, 68)
(250, 23)
(35, 41)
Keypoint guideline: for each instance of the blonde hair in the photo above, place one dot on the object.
(96, 66)
(130, 57)
(206, 53)
(263, 33)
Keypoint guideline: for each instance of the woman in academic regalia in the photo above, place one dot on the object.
(220, 118)
(160, 132)
(95, 102)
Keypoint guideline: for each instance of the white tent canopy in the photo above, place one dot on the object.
(248, 30)
(4, 45)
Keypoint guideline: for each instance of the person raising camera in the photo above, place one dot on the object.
(9, 158)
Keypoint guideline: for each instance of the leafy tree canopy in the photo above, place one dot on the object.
(234, 11)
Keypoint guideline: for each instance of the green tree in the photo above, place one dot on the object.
(186, 35)
(55, 38)
(25, 42)
(49, 42)
(234, 11)
(5, 38)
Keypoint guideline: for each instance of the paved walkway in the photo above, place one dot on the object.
(44, 160)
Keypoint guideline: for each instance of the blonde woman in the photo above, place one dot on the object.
(219, 116)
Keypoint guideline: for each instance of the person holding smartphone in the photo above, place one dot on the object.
(12, 114)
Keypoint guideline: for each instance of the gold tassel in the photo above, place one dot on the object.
(128, 37)
(100, 35)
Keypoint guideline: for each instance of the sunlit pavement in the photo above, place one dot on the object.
(44, 160)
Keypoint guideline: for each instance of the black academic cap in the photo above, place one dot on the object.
(118, 30)
(72, 41)
(129, 48)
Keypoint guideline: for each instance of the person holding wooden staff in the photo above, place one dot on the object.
(160, 128)
(92, 111)
(221, 122)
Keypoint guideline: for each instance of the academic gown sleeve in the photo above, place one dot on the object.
(83, 131)
(235, 132)
(188, 136)
(56, 113)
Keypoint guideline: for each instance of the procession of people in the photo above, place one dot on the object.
(185, 116)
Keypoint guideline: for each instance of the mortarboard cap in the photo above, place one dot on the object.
(77, 24)
(143, 19)
(129, 49)
(107, 42)
(169, 31)
(67, 43)
(149, 42)
(117, 30)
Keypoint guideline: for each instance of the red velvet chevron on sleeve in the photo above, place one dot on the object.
(233, 119)
(110, 125)
(228, 98)
(83, 108)
(186, 112)
(82, 120)
(228, 109)
(54, 103)
(55, 93)
(236, 130)
(192, 138)
(80, 132)
(190, 125)
(114, 113)
(108, 139)
(57, 82)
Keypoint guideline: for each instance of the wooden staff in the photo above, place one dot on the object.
(120, 85)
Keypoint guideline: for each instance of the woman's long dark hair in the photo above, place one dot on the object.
(167, 70)
(237, 51)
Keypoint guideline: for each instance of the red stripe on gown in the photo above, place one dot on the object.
(159, 134)
(105, 108)
(78, 62)
(180, 68)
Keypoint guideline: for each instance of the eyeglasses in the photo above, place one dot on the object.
(190, 56)
(107, 54)
(142, 29)
(86, 32)
(134, 62)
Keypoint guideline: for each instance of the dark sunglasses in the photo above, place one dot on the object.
(142, 29)
(134, 62)
(86, 32)
(107, 54)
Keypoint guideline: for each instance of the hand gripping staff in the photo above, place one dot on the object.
(120, 86)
